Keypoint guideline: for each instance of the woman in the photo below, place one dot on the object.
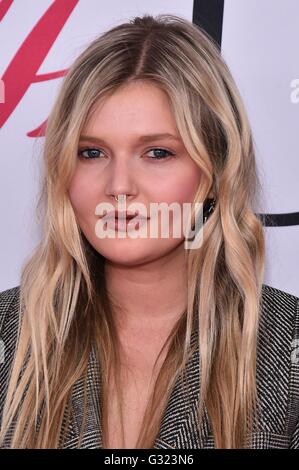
(144, 342)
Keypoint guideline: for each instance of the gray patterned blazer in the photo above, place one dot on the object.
(277, 379)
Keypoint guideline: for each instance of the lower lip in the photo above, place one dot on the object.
(123, 225)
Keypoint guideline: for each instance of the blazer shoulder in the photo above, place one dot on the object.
(8, 300)
(278, 323)
(278, 304)
(274, 292)
(277, 364)
(8, 295)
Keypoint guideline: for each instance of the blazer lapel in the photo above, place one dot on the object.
(92, 435)
(178, 426)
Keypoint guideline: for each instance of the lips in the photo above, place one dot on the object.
(121, 221)
(124, 215)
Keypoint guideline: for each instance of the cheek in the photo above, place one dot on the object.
(179, 187)
(82, 195)
(188, 189)
(182, 187)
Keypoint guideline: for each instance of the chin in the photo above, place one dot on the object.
(126, 251)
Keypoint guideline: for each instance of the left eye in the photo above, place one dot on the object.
(160, 154)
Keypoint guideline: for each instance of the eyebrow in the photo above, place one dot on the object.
(142, 138)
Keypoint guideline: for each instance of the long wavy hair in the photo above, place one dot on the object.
(64, 302)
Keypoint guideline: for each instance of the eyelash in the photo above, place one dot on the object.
(170, 154)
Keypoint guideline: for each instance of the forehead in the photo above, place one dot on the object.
(139, 107)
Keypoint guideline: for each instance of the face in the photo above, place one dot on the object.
(147, 169)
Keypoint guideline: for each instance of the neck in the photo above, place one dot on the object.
(150, 296)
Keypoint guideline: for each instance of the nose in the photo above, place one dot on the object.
(121, 179)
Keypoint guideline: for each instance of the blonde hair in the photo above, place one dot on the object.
(63, 297)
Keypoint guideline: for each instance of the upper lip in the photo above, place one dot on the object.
(125, 214)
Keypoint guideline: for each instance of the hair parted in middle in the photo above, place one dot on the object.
(64, 300)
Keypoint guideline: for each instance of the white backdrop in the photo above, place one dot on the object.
(260, 43)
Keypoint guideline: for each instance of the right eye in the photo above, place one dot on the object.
(91, 153)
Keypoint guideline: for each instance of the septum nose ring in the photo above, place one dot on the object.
(120, 198)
